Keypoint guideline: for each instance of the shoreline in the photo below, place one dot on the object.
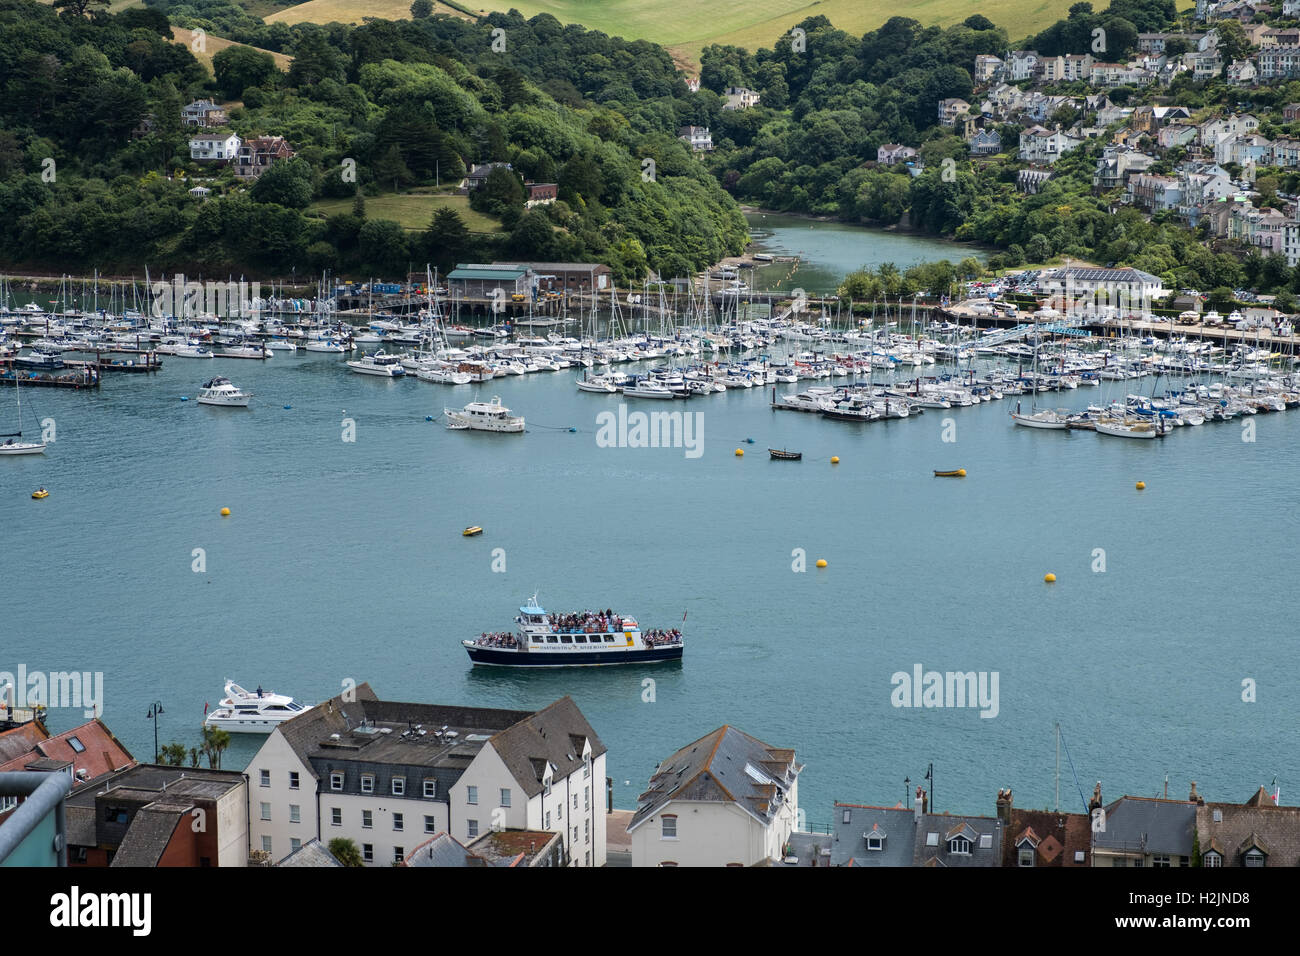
(894, 230)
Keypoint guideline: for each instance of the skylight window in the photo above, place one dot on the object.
(76, 745)
(756, 775)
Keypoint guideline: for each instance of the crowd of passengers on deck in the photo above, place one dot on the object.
(586, 622)
(658, 636)
(497, 639)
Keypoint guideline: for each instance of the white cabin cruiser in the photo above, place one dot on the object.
(220, 391)
(256, 712)
(388, 366)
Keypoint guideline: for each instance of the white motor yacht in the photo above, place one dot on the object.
(220, 391)
(389, 366)
(255, 712)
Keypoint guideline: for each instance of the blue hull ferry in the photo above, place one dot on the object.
(582, 639)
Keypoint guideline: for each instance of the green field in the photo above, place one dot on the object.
(412, 210)
(686, 28)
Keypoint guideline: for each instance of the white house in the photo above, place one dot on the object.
(1039, 145)
(892, 153)
(1021, 65)
(728, 799)
(697, 137)
(389, 775)
(739, 98)
(209, 147)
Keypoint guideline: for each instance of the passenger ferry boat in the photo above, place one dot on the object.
(254, 712)
(585, 639)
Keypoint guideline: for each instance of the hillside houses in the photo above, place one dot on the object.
(214, 147)
(952, 110)
(891, 154)
(255, 156)
(1045, 146)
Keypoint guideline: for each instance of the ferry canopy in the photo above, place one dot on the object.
(532, 610)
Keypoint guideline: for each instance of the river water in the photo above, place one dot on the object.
(344, 561)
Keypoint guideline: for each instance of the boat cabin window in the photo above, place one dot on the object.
(565, 639)
(580, 639)
(609, 638)
(552, 639)
(537, 638)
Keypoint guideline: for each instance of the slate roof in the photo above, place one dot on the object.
(1148, 825)
(947, 827)
(441, 849)
(525, 740)
(714, 768)
(150, 831)
(849, 839)
(310, 854)
(555, 734)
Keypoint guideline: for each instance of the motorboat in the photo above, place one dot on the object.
(252, 712)
(485, 417)
(377, 363)
(220, 391)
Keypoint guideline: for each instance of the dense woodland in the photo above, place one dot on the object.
(410, 103)
(416, 102)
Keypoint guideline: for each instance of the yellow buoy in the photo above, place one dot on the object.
(1141, 485)
(835, 460)
(961, 472)
(1049, 577)
(740, 453)
(225, 512)
(821, 562)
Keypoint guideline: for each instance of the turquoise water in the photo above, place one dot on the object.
(344, 561)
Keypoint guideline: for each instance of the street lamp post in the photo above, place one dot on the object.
(155, 709)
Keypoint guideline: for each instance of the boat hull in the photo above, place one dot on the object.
(505, 657)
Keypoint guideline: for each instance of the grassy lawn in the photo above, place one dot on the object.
(213, 45)
(687, 28)
(353, 11)
(412, 210)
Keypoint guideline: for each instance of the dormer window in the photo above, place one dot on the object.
(1025, 856)
(367, 783)
(1253, 858)
(336, 781)
(959, 845)
(1212, 859)
(875, 840)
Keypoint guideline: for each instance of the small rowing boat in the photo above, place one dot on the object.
(959, 473)
(40, 493)
(471, 531)
(782, 455)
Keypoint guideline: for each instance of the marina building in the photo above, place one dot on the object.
(389, 775)
(727, 799)
(1131, 284)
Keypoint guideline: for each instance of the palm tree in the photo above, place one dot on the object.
(215, 741)
(345, 851)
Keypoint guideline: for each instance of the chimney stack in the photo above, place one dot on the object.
(921, 804)
(1195, 797)
(1004, 806)
(1095, 802)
